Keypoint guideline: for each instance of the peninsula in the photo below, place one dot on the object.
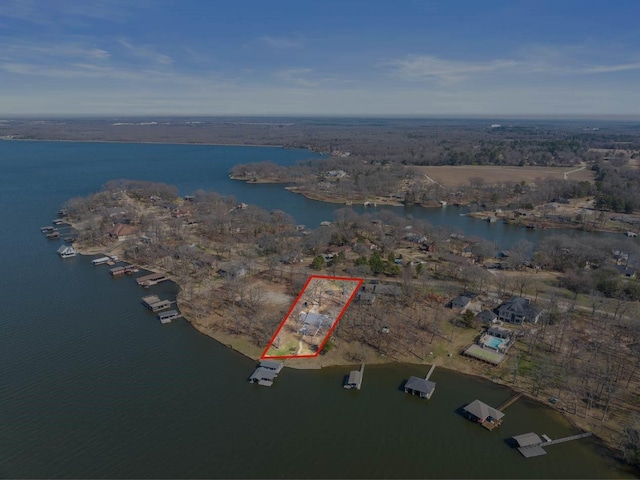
(537, 321)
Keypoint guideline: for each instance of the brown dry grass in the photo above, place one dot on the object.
(460, 175)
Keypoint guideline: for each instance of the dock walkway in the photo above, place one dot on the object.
(433, 367)
(509, 402)
(536, 449)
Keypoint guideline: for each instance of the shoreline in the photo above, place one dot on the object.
(207, 144)
(234, 342)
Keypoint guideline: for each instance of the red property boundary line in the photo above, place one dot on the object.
(333, 327)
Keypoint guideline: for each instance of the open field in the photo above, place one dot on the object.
(460, 175)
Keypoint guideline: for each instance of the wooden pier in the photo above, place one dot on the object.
(355, 378)
(433, 367)
(528, 449)
(509, 402)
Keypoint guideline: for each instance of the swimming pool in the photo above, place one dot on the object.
(493, 342)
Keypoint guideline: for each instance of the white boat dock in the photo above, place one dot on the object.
(101, 260)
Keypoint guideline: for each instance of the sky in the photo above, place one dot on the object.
(319, 57)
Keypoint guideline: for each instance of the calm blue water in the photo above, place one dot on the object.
(93, 386)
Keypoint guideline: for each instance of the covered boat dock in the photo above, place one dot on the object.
(266, 372)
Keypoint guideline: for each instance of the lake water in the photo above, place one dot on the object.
(92, 385)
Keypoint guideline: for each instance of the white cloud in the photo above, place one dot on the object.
(53, 14)
(426, 67)
(282, 42)
(554, 62)
(146, 52)
(298, 76)
(48, 50)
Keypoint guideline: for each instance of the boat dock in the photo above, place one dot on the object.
(266, 372)
(125, 269)
(485, 415)
(166, 317)
(422, 387)
(153, 279)
(355, 378)
(530, 445)
(155, 304)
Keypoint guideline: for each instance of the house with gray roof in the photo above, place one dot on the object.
(487, 316)
(518, 310)
(460, 302)
(312, 323)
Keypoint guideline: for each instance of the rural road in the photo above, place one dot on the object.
(572, 171)
(433, 181)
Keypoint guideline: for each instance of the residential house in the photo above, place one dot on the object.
(486, 316)
(460, 302)
(312, 323)
(627, 271)
(122, 231)
(231, 271)
(518, 310)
